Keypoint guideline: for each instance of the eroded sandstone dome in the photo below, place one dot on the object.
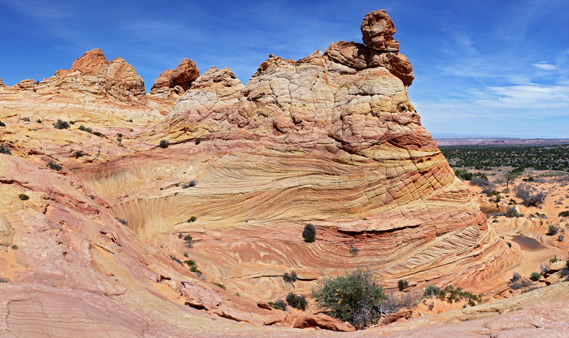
(331, 139)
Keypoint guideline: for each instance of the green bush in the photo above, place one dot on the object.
(431, 291)
(279, 305)
(60, 124)
(353, 297)
(450, 294)
(309, 233)
(512, 212)
(164, 143)
(402, 284)
(54, 166)
(24, 197)
(552, 230)
(220, 285)
(290, 277)
(189, 241)
(535, 276)
(86, 129)
(564, 213)
(298, 302)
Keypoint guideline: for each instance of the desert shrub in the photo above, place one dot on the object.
(512, 212)
(353, 297)
(175, 259)
(298, 302)
(192, 183)
(353, 250)
(189, 241)
(554, 260)
(190, 262)
(2, 124)
(535, 276)
(528, 198)
(54, 166)
(122, 221)
(96, 133)
(515, 277)
(4, 149)
(79, 154)
(164, 143)
(394, 302)
(14, 246)
(309, 233)
(279, 305)
(463, 175)
(192, 219)
(521, 283)
(38, 121)
(290, 277)
(402, 284)
(198, 141)
(552, 230)
(451, 295)
(481, 182)
(194, 268)
(560, 238)
(431, 291)
(24, 197)
(564, 213)
(86, 129)
(220, 285)
(60, 124)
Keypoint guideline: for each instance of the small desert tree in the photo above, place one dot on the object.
(353, 297)
(511, 176)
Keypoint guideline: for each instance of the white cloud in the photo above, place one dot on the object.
(545, 66)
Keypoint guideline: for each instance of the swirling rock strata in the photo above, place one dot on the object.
(331, 139)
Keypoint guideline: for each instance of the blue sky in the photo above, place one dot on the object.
(482, 67)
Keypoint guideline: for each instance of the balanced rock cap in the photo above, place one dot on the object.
(377, 30)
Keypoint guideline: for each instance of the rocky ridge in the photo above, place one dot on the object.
(177, 81)
(330, 139)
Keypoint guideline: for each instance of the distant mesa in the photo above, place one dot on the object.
(176, 81)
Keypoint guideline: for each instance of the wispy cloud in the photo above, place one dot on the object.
(545, 66)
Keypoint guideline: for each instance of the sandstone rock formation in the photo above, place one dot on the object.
(93, 74)
(109, 239)
(27, 84)
(377, 30)
(331, 140)
(2, 83)
(93, 89)
(175, 81)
